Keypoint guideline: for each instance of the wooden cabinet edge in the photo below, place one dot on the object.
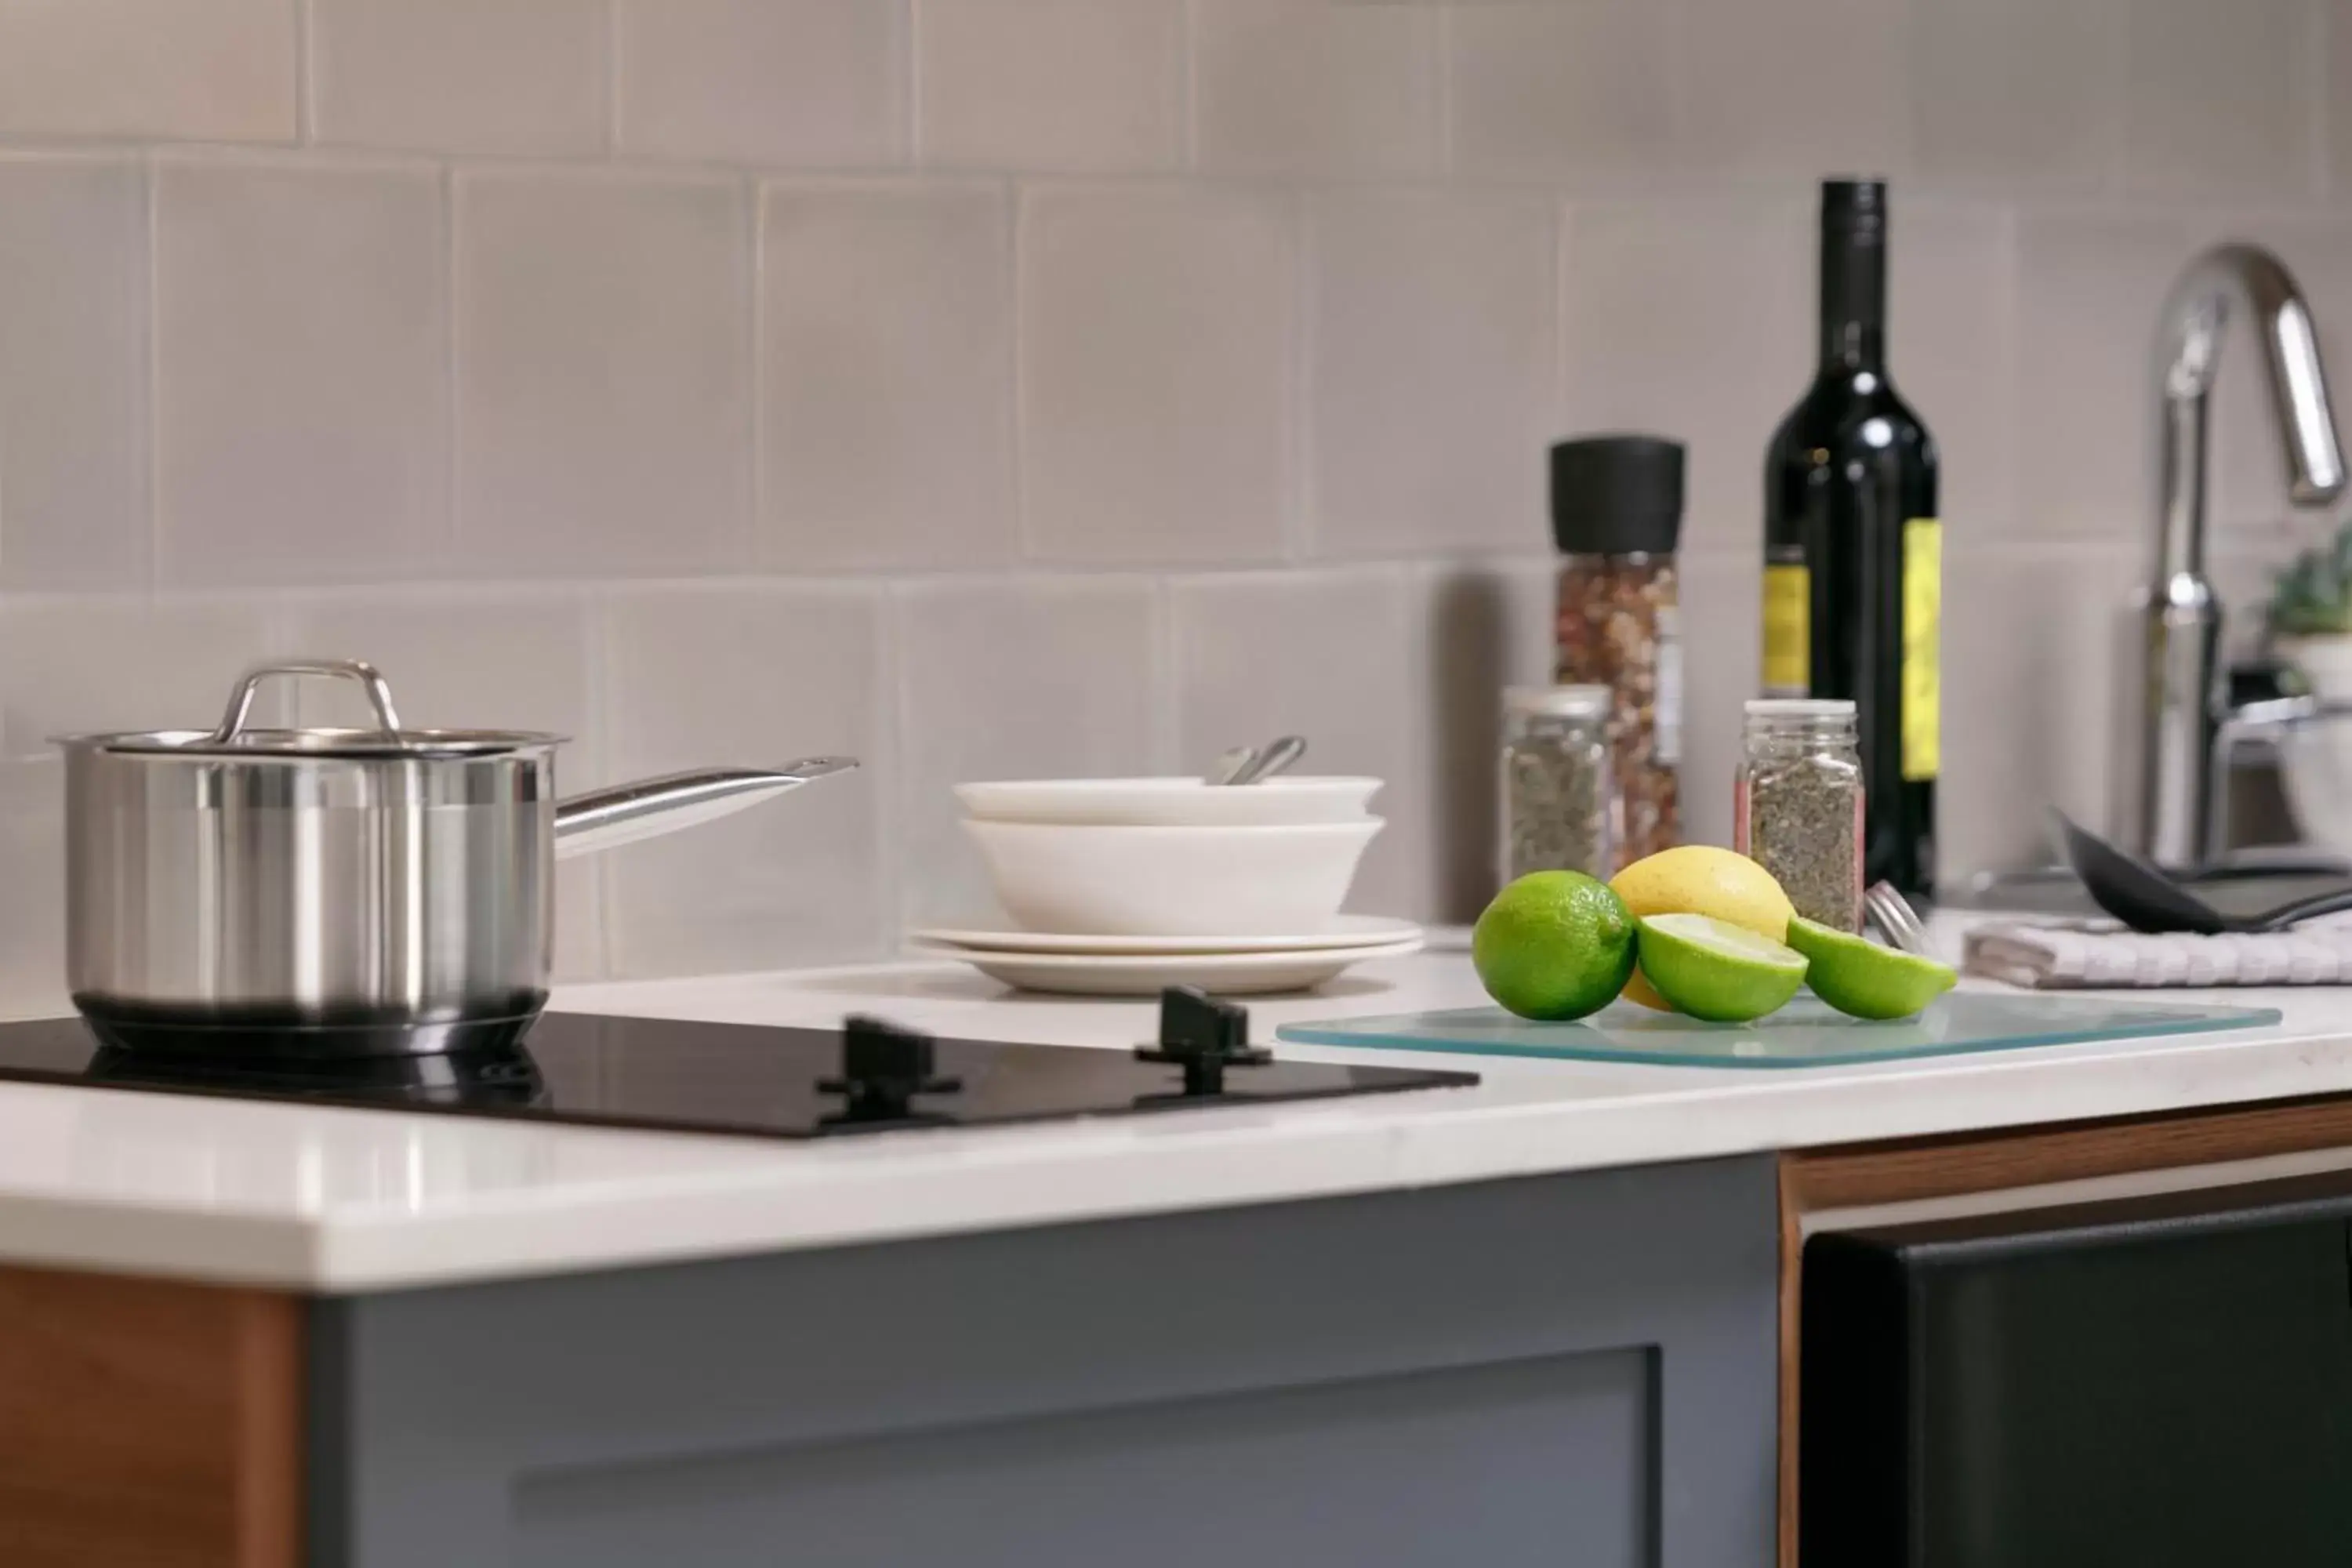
(149, 1421)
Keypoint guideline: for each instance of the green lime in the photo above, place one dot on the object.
(1714, 970)
(1858, 976)
(1553, 945)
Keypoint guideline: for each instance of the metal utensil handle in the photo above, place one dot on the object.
(2303, 910)
(607, 819)
(371, 679)
(1276, 757)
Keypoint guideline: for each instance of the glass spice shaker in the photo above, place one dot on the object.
(1560, 797)
(1616, 515)
(1797, 803)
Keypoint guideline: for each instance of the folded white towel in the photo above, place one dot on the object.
(2079, 956)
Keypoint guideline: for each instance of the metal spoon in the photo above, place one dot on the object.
(1230, 765)
(1892, 913)
(1276, 756)
(2145, 899)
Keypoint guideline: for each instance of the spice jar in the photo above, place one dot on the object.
(1616, 514)
(1559, 798)
(1797, 803)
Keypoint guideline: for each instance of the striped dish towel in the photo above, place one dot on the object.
(2082, 955)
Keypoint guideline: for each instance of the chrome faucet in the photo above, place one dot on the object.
(2181, 700)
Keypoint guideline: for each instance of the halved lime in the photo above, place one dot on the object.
(1554, 945)
(1714, 970)
(1858, 976)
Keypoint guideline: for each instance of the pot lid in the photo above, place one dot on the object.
(235, 737)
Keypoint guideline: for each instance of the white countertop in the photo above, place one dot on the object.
(330, 1200)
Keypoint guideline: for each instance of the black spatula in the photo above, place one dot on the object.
(2145, 899)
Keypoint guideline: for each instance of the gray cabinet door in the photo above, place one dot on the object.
(1574, 1370)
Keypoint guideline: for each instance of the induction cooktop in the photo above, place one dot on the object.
(754, 1080)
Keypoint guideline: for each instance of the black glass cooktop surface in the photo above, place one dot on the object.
(754, 1080)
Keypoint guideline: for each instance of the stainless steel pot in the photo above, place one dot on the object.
(337, 891)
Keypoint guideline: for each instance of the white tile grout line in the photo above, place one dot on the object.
(908, 123)
(151, 180)
(1300, 522)
(452, 382)
(612, 126)
(1188, 86)
(750, 254)
(306, 72)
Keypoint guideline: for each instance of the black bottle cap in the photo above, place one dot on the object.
(1617, 495)
(1854, 207)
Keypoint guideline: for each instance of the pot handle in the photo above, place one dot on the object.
(240, 701)
(606, 818)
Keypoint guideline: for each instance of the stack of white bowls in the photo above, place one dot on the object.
(1121, 886)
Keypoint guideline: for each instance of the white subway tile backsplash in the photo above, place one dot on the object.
(2089, 291)
(2222, 96)
(1039, 677)
(603, 376)
(472, 658)
(32, 923)
(1327, 654)
(1306, 87)
(80, 663)
(800, 82)
(1542, 89)
(886, 358)
(1722, 603)
(73, 373)
(2032, 703)
(195, 71)
(1475, 628)
(1155, 373)
(1795, 86)
(1692, 319)
(461, 75)
(300, 422)
(750, 677)
(2334, 63)
(1952, 288)
(1432, 371)
(1050, 84)
(2025, 93)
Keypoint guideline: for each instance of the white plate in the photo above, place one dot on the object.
(1347, 930)
(1145, 974)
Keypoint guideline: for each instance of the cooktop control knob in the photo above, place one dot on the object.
(883, 1067)
(1204, 1036)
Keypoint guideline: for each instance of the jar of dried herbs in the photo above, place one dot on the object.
(1560, 796)
(1797, 803)
(1616, 513)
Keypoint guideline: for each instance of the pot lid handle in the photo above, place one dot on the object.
(379, 692)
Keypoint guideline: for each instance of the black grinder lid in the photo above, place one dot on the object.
(1617, 495)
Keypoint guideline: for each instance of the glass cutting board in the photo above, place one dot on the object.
(1807, 1033)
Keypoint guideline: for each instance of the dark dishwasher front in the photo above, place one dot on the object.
(2154, 1381)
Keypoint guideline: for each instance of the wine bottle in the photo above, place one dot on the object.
(1852, 547)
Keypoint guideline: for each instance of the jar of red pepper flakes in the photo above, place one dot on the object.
(1616, 516)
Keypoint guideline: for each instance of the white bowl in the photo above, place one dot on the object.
(1171, 881)
(1168, 802)
(2318, 772)
(2325, 663)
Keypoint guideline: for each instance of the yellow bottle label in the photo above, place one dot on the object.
(1923, 618)
(1788, 630)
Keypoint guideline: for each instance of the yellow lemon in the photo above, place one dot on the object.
(1701, 879)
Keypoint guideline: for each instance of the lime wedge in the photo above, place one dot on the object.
(1714, 970)
(1858, 976)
